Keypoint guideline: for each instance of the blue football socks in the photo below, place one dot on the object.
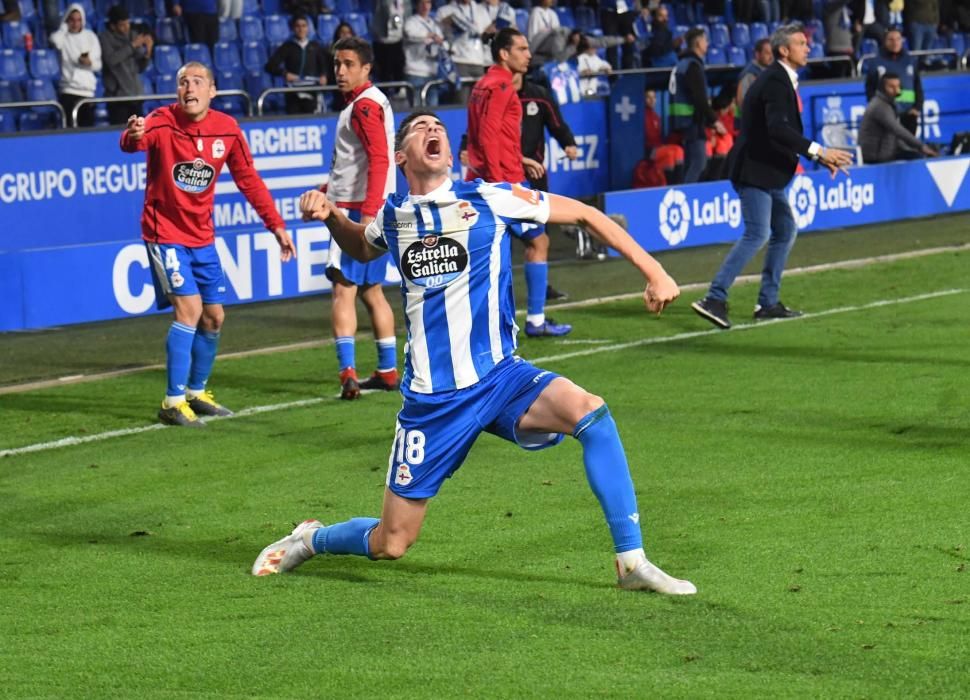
(204, 349)
(345, 351)
(350, 537)
(178, 348)
(386, 354)
(536, 281)
(609, 476)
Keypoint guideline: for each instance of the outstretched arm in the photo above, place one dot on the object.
(349, 235)
(661, 289)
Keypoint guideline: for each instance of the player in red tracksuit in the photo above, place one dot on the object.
(495, 155)
(187, 144)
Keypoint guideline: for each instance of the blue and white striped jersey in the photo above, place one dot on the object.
(452, 249)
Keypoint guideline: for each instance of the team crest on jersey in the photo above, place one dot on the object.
(532, 109)
(531, 196)
(467, 214)
(218, 148)
(434, 261)
(176, 279)
(402, 476)
(193, 177)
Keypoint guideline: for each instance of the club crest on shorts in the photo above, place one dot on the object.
(218, 148)
(402, 475)
(176, 279)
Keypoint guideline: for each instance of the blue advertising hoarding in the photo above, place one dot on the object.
(691, 215)
(70, 248)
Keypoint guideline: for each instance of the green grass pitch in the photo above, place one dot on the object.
(810, 477)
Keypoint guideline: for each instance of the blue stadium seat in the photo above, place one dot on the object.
(326, 26)
(165, 84)
(816, 31)
(27, 9)
(276, 29)
(198, 52)
(758, 30)
(254, 55)
(256, 82)
(344, 7)
(147, 85)
(136, 8)
(358, 21)
(45, 63)
(522, 20)
(10, 91)
(585, 18)
(680, 30)
(43, 90)
(816, 50)
(271, 7)
(736, 56)
(230, 80)
(566, 17)
(12, 65)
(716, 57)
(741, 35)
(225, 55)
(772, 26)
(227, 29)
(170, 30)
(958, 43)
(167, 59)
(251, 29)
(13, 34)
(32, 121)
(251, 8)
(869, 47)
(719, 36)
(8, 121)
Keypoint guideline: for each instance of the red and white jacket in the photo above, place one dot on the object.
(184, 162)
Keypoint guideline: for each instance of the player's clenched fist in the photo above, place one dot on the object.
(314, 206)
(136, 127)
(660, 293)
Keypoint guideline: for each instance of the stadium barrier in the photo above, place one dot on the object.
(159, 97)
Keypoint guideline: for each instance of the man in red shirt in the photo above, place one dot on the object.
(495, 155)
(662, 160)
(361, 177)
(187, 144)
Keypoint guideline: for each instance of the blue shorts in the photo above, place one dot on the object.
(184, 271)
(356, 272)
(527, 230)
(435, 432)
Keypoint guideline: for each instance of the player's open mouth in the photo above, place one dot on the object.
(433, 147)
(191, 100)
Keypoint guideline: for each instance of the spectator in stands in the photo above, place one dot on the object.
(881, 137)
(870, 18)
(663, 163)
(893, 58)
(502, 15)
(617, 18)
(124, 56)
(307, 8)
(761, 58)
(961, 15)
(80, 60)
(837, 18)
(11, 11)
(761, 166)
(201, 19)
(590, 67)
(922, 19)
(720, 144)
(387, 34)
(301, 61)
(549, 41)
(690, 110)
(662, 48)
(800, 10)
(465, 22)
(343, 31)
(423, 40)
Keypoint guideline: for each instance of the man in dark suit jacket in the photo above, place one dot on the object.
(761, 165)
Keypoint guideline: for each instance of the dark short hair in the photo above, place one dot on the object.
(888, 75)
(359, 46)
(402, 130)
(761, 43)
(296, 18)
(503, 40)
(117, 13)
(338, 28)
(782, 36)
(692, 35)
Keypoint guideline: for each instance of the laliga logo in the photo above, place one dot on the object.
(674, 217)
(803, 201)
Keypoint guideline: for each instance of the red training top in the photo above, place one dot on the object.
(495, 129)
(184, 161)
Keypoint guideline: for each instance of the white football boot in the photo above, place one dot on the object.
(288, 553)
(644, 576)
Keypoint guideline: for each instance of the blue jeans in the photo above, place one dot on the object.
(419, 83)
(695, 154)
(921, 36)
(767, 217)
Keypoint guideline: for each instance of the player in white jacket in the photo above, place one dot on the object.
(80, 60)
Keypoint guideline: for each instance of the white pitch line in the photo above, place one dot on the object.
(71, 441)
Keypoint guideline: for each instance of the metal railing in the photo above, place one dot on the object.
(39, 103)
(320, 89)
(960, 61)
(438, 82)
(161, 96)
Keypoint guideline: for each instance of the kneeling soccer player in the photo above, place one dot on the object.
(451, 244)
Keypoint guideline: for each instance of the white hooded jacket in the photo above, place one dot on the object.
(75, 78)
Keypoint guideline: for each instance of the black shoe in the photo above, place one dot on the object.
(553, 294)
(778, 310)
(713, 310)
